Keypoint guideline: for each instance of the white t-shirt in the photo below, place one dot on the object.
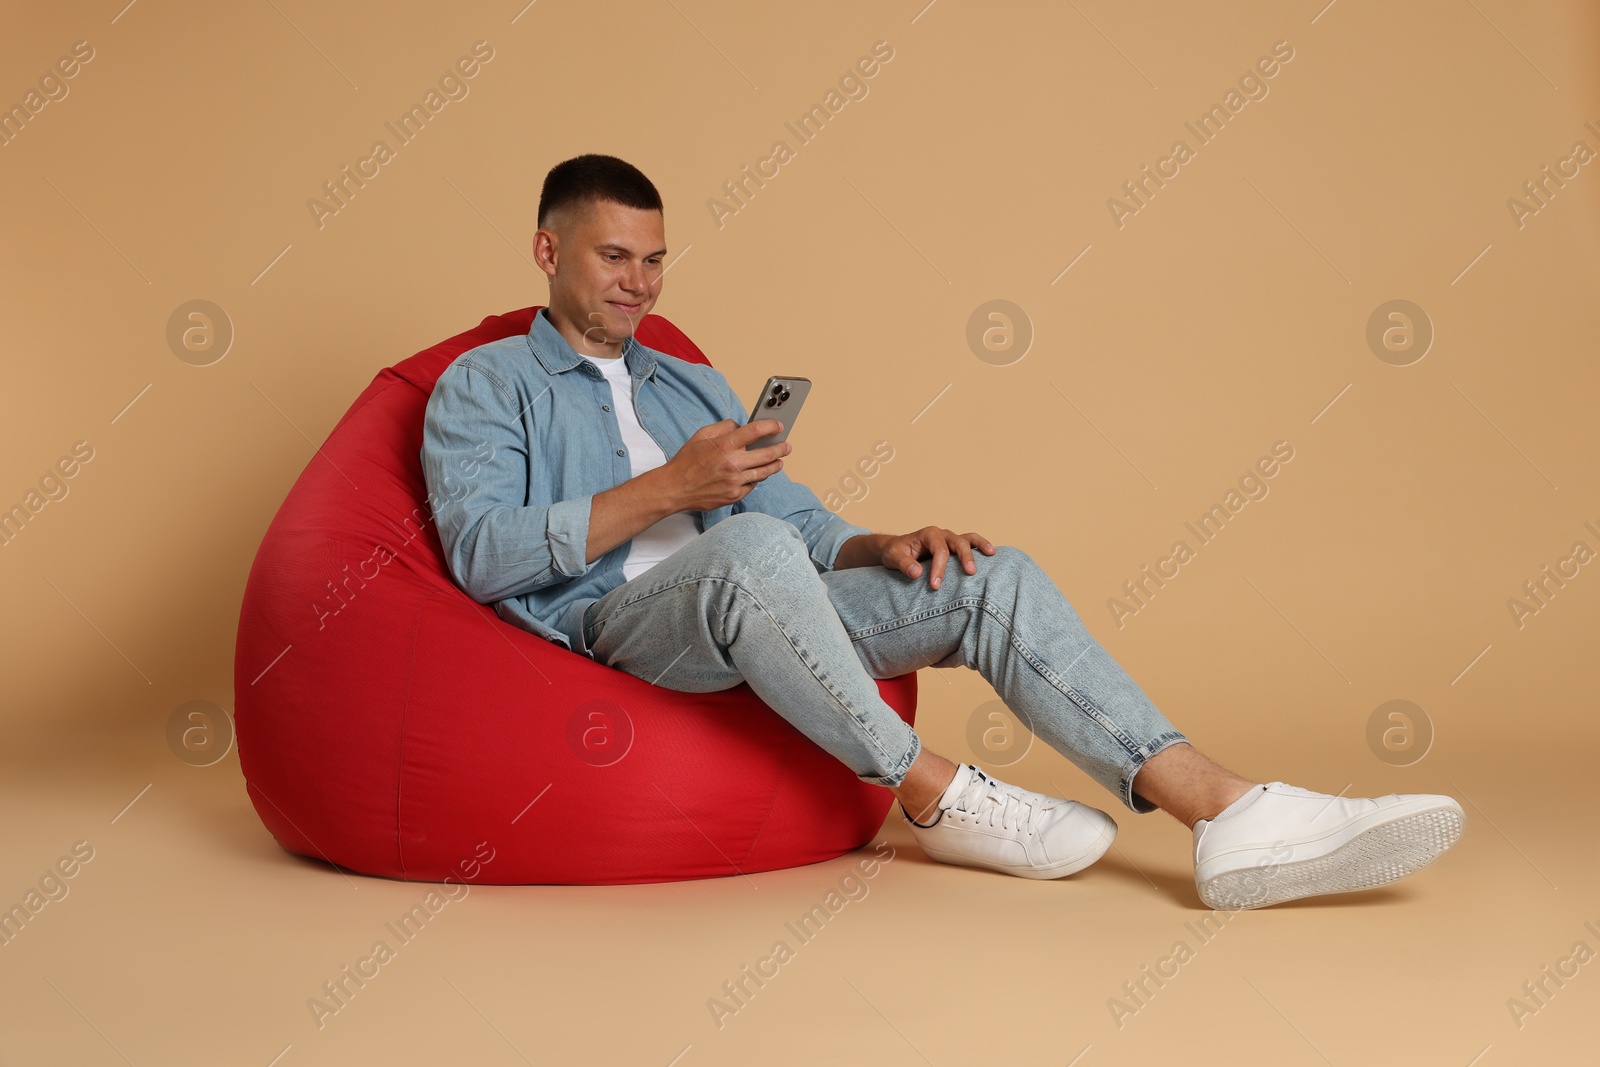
(654, 543)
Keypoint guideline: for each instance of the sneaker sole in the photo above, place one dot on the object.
(1060, 869)
(1377, 856)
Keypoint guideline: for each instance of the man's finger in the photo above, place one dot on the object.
(902, 557)
(941, 554)
(715, 429)
(757, 428)
(964, 551)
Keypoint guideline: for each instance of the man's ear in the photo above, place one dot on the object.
(550, 241)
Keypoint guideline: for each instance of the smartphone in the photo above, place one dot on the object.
(781, 400)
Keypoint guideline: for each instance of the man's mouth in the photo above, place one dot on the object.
(627, 309)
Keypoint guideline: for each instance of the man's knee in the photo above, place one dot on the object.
(766, 559)
(756, 524)
(1013, 571)
(753, 536)
(1008, 563)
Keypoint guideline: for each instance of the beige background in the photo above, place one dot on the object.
(1229, 313)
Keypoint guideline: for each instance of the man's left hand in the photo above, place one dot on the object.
(902, 553)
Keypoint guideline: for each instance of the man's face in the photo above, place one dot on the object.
(604, 262)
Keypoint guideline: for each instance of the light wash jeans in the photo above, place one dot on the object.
(743, 602)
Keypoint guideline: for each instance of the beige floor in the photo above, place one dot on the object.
(191, 938)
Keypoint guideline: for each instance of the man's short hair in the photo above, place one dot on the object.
(585, 179)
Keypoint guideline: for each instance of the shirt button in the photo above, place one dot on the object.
(621, 452)
(605, 407)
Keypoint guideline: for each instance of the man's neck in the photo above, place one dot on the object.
(594, 344)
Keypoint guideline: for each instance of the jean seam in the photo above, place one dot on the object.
(899, 771)
(597, 625)
(1082, 700)
(866, 728)
(921, 616)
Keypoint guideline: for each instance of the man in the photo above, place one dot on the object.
(600, 494)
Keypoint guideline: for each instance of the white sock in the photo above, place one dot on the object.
(1243, 802)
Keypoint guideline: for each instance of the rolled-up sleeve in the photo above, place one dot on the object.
(475, 461)
(778, 494)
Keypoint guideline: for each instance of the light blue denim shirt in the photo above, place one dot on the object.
(518, 438)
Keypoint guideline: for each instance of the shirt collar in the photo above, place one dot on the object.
(556, 355)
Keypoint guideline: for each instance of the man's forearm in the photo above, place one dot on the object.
(625, 510)
(862, 550)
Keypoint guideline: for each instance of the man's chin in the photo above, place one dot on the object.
(625, 321)
(614, 325)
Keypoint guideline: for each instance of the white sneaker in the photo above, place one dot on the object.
(1288, 842)
(987, 823)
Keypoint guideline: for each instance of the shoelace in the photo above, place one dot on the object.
(1005, 805)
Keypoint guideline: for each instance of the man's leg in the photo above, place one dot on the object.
(744, 603)
(1189, 785)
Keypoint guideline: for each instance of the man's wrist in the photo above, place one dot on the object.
(862, 550)
(657, 494)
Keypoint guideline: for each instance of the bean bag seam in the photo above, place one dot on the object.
(766, 817)
(356, 408)
(400, 751)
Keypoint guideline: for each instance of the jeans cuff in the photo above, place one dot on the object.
(897, 773)
(1129, 797)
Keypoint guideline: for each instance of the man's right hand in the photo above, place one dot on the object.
(714, 469)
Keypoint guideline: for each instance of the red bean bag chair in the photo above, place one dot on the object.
(389, 724)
